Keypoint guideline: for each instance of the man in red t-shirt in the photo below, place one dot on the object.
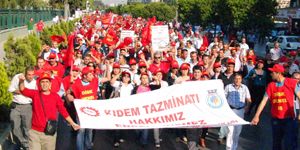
(56, 67)
(281, 93)
(39, 27)
(45, 105)
(157, 64)
(84, 89)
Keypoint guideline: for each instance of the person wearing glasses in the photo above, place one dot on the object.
(158, 63)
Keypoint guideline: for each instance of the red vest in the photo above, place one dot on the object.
(88, 92)
(282, 99)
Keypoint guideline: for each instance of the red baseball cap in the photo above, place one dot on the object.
(230, 61)
(132, 61)
(185, 66)
(45, 75)
(116, 65)
(142, 64)
(203, 48)
(174, 64)
(277, 68)
(217, 64)
(293, 53)
(204, 73)
(87, 70)
(52, 56)
(125, 72)
(157, 71)
(76, 68)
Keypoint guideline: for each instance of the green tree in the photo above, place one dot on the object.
(35, 42)
(260, 16)
(195, 11)
(239, 10)
(8, 4)
(238, 14)
(162, 11)
(5, 96)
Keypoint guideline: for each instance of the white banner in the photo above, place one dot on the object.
(195, 104)
(160, 37)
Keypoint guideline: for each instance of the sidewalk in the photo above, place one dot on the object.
(18, 32)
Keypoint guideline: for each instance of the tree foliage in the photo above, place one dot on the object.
(5, 96)
(196, 11)
(238, 14)
(162, 11)
(12, 4)
(8, 4)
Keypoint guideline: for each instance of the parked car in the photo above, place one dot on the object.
(213, 29)
(287, 43)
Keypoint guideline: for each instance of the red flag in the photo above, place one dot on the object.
(69, 59)
(144, 36)
(89, 33)
(111, 38)
(205, 41)
(126, 42)
(109, 18)
(153, 19)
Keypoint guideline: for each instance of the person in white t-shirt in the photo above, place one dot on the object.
(198, 41)
(276, 52)
(21, 109)
(244, 47)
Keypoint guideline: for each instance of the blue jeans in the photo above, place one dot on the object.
(286, 130)
(84, 139)
(143, 136)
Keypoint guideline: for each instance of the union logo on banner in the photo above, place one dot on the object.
(90, 111)
(213, 99)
